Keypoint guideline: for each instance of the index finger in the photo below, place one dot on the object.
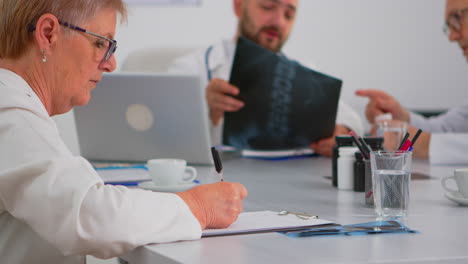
(372, 93)
(242, 190)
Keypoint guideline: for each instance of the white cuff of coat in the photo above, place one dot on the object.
(216, 133)
(347, 117)
(417, 121)
(448, 148)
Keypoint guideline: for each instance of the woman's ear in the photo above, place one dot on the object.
(47, 31)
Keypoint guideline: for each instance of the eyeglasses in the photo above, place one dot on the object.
(106, 49)
(454, 21)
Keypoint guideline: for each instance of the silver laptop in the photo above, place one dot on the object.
(136, 117)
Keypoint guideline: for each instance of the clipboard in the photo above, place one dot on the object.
(267, 221)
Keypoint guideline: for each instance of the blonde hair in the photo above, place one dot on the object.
(17, 15)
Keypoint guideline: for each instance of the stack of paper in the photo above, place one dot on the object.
(127, 174)
(277, 154)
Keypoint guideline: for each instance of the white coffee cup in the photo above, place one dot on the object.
(461, 179)
(170, 172)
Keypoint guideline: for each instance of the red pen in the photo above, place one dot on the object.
(406, 145)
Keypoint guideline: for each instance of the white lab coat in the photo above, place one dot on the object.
(54, 208)
(220, 62)
(449, 135)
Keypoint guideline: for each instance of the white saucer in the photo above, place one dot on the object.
(457, 198)
(149, 185)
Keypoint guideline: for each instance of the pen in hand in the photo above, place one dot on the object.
(217, 162)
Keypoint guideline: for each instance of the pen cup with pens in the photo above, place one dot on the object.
(391, 173)
(360, 164)
(386, 173)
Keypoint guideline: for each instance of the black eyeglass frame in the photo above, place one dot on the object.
(112, 42)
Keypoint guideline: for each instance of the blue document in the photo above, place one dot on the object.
(377, 227)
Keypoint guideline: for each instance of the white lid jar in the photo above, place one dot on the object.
(345, 164)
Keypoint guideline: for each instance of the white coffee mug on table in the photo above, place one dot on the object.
(170, 172)
(461, 179)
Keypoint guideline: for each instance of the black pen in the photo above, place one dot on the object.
(217, 162)
(413, 141)
(365, 146)
(361, 148)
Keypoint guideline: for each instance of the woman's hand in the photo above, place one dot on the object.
(215, 205)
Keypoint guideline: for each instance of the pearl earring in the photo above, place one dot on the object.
(44, 57)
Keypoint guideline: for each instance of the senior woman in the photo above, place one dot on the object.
(54, 208)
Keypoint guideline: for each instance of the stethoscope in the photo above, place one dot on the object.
(207, 63)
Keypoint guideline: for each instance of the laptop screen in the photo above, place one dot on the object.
(136, 117)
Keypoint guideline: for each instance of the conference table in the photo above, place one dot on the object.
(304, 185)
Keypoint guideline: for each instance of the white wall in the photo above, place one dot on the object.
(394, 45)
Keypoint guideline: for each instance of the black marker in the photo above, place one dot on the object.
(413, 141)
(361, 148)
(217, 162)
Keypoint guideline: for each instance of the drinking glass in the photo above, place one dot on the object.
(391, 175)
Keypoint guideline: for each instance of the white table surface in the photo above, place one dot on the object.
(300, 185)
